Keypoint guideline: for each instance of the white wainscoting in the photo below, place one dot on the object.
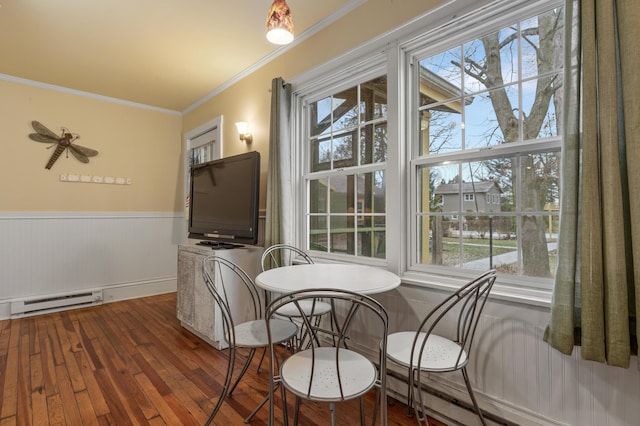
(126, 255)
(518, 376)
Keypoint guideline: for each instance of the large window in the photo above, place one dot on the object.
(454, 167)
(347, 146)
(488, 126)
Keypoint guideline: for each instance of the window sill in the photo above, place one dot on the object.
(501, 291)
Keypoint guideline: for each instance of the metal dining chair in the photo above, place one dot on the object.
(279, 255)
(427, 350)
(328, 371)
(241, 312)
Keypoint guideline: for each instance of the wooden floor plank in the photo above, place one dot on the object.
(23, 390)
(38, 394)
(10, 384)
(131, 363)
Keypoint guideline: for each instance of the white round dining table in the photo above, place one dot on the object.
(356, 278)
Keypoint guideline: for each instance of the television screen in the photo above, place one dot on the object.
(224, 200)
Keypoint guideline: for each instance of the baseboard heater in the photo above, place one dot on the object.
(55, 303)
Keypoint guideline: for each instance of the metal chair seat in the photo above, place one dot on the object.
(356, 374)
(253, 334)
(309, 308)
(440, 354)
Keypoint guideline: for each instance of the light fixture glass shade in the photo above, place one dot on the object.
(279, 23)
(242, 127)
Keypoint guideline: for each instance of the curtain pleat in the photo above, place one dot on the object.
(628, 19)
(564, 324)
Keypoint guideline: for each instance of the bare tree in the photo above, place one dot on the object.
(546, 41)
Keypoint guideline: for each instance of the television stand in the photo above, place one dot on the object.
(217, 245)
(195, 307)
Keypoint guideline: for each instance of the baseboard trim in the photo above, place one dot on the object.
(452, 406)
(115, 292)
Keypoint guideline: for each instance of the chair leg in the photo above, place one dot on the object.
(296, 411)
(244, 370)
(225, 388)
(410, 393)
(332, 408)
(473, 397)
(264, 352)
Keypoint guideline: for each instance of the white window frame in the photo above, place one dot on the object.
(495, 16)
(204, 134)
(392, 54)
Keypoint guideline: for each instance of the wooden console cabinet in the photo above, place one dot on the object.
(195, 308)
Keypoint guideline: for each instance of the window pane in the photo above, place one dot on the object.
(343, 151)
(341, 194)
(320, 116)
(440, 77)
(371, 236)
(202, 154)
(345, 109)
(342, 234)
(373, 99)
(318, 196)
(371, 193)
(320, 154)
(318, 233)
(484, 126)
(373, 143)
(495, 54)
(542, 35)
(441, 129)
(438, 188)
(530, 92)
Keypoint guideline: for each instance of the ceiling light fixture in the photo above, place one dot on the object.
(279, 23)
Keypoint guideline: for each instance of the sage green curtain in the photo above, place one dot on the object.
(277, 220)
(597, 287)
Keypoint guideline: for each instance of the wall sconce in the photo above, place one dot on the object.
(279, 23)
(243, 130)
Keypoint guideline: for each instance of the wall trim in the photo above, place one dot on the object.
(47, 86)
(115, 293)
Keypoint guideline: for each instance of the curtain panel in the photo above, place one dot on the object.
(596, 293)
(278, 203)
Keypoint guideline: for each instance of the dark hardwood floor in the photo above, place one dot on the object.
(130, 363)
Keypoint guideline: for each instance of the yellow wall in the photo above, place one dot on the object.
(140, 144)
(147, 145)
(249, 99)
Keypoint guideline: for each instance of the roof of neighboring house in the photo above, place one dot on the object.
(467, 187)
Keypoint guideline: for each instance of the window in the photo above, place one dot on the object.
(347, 147)
(449, 169)
(488, 118)
(204, 143)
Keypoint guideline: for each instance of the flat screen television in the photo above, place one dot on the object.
(224, 196)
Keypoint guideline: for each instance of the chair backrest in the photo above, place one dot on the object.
(283, 255)
(233, 291)
(463, 308)
(362, 325)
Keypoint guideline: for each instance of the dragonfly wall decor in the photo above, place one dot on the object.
(62, 142)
